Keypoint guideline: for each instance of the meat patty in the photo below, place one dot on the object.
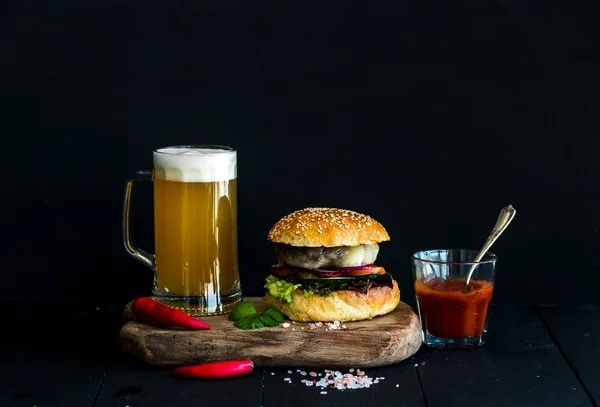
(323, 257)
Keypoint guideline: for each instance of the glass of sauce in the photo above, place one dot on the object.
(453, 314)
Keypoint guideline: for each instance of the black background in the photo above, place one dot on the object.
(428, 115)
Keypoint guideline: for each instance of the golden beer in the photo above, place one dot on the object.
(195, 221)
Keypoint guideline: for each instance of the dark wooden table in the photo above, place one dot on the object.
(66, 354)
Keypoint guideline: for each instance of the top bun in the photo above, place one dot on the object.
(327, 227)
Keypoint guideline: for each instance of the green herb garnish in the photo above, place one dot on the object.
(242, 310)
(273, 313)
(245, 316)
(249, 323)
(268, 321)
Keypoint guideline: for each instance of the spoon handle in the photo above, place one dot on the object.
(506, 216)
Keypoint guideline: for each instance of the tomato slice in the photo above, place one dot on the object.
(282, 271)
(366, 270)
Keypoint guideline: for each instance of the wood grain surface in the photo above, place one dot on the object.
(576, 330)
(519, 365)
(380, 341)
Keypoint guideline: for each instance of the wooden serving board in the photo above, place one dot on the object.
(380, 341)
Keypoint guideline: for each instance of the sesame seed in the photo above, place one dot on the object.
(304, 222)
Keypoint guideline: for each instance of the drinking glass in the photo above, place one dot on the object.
(195, 226)
(454, 314)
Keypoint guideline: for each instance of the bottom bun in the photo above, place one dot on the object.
(341, 305)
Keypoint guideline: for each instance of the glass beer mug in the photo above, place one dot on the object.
(195, 226)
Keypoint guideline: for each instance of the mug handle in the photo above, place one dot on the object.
(138, 254)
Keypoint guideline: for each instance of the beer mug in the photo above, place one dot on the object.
(195, 228)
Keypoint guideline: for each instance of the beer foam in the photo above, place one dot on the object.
(191, 164)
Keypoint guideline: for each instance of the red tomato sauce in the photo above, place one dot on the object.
(450, 309)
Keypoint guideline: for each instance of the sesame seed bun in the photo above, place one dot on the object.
(341, 305)
(327, 227)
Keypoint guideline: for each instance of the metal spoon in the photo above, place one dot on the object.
(506, 215)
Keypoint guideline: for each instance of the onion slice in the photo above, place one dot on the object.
(350, 268)
(336, 269)
(320, 271)
(283, 269)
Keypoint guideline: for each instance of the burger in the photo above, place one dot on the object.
(326, 267)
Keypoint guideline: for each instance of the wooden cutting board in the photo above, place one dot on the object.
(380, 341)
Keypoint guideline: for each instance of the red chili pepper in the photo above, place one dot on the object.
(154, 313)
(216, 370)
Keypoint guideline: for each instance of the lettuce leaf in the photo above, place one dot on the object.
(280, 289)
